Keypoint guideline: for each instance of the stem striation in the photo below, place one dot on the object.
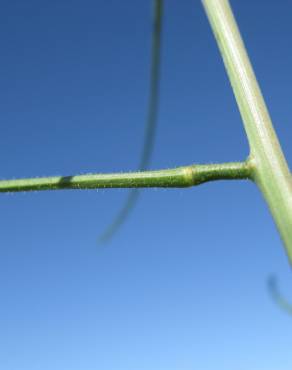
(270, 170)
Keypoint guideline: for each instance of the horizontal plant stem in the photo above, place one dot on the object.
(170, 178)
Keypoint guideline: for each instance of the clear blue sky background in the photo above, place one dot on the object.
(182, 286)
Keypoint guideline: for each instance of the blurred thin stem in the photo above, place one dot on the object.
(279, 299)
(151, 122)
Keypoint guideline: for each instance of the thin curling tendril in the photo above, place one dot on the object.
(151, 123)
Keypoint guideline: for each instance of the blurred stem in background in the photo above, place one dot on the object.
(279, 299)
(151, 122)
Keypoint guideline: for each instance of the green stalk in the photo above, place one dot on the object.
(171, 178)
(270, 170)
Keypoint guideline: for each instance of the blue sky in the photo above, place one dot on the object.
(183, 284)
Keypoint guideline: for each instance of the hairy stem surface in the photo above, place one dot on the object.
(171, 178)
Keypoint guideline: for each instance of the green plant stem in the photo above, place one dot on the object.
(270, 170)
(278, 298)
(171, 178)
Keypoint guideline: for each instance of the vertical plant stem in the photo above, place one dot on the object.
(151, 121)
(270, 170)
